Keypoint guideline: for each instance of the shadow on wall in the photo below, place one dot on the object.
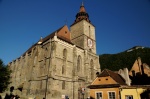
(145, 94)
(139, 79)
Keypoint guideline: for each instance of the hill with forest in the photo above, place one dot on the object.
(124, 59)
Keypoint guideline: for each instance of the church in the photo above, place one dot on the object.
(59, 65)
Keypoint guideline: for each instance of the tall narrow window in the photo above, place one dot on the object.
(79, 63)
(111, 95)
(64, 54)
(89, 31)
(92, 69)
(63, 84)
(99, 95)
(64, 61)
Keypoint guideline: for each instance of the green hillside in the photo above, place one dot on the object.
(124, 59)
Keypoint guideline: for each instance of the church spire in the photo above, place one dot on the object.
(82, 15)
(82, 9)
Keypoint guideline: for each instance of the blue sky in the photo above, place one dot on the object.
(120, 24)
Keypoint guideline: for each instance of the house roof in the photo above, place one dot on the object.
(119, 81)
(113, 75)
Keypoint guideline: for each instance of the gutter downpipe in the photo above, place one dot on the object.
(120, 89)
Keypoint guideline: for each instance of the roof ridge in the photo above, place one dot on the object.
(107, 70)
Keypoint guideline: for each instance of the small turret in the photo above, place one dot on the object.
(40, 41)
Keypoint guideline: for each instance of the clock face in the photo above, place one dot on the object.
(90, 43)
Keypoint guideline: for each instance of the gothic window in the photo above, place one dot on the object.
(64, 61)
(92, 69)
(64, 54)
(79, 63)
(63, 84)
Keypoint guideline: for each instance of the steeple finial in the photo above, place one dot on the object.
(82, 3)
(82, 9)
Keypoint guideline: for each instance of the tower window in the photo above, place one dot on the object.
(79, 63)
(64, 61)
(64, 54)
(89, 31)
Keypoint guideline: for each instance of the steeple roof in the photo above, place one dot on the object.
(82, 9)
(82, 15)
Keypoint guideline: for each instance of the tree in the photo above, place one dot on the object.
(124, 59)
(4, 76)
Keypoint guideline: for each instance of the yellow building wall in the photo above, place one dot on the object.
(104, 92)
(135, 92)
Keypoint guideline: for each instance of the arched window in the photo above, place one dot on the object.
(64, 61)
(79, 63)
(64, 54)
(92, 69)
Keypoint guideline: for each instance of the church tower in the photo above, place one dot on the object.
(83, 31)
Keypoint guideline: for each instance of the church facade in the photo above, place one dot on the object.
(60, 65)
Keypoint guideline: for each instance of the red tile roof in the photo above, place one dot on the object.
(113, 75)
(59, 34)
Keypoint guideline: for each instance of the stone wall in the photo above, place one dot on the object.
(47, 60)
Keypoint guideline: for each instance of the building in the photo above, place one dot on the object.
(60, 65)
(139, 68)
(133, 92)
(111, 85)
(140, 73)
(106, 85)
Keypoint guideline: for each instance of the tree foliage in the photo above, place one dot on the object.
(4, 76)
(124, 59)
